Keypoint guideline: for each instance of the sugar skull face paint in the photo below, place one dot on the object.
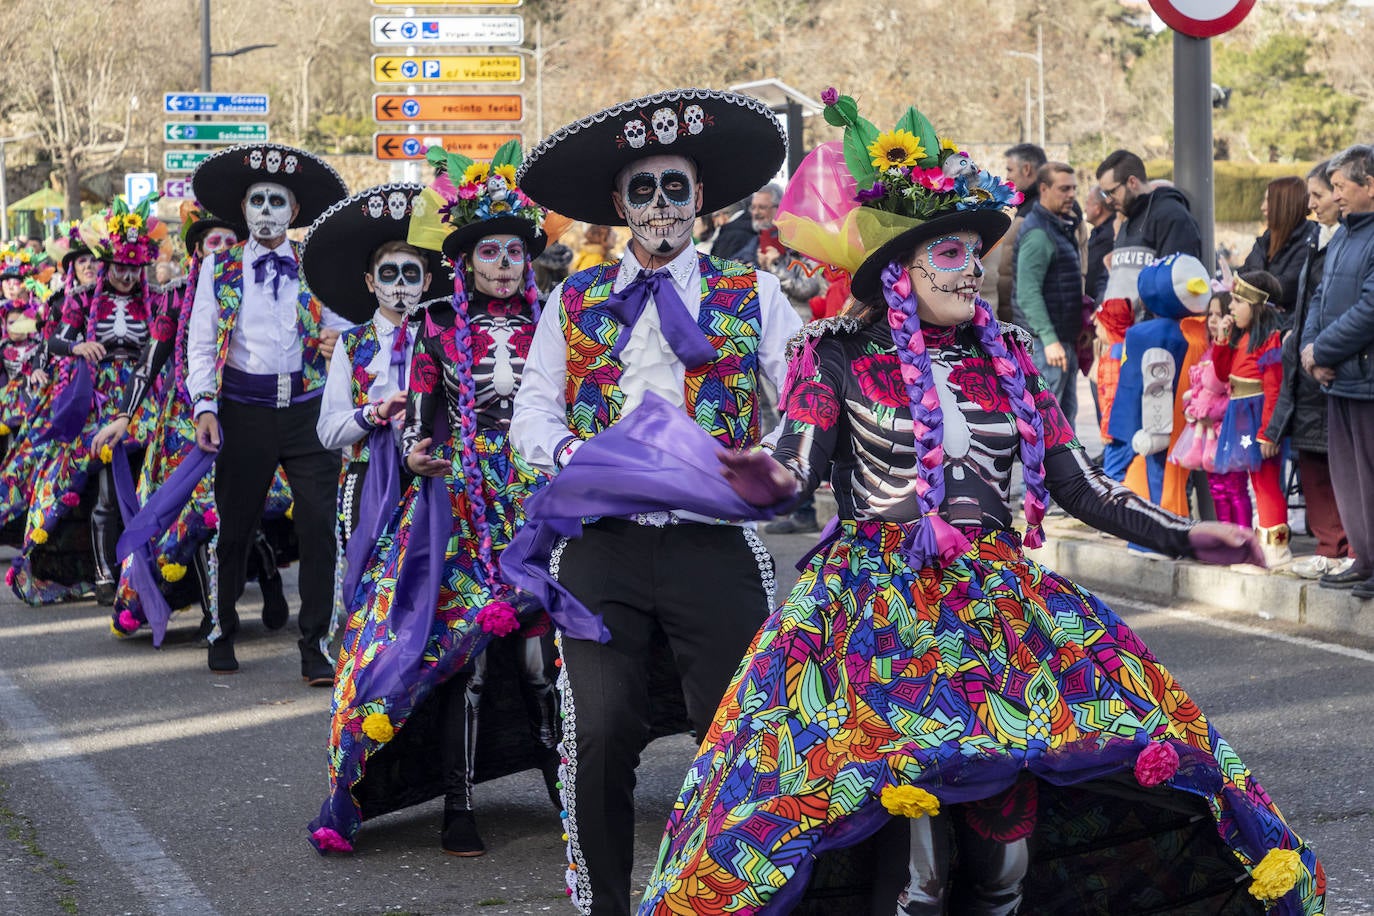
(659, 197)
(123, 277)
(217, 240)
(399, 281)
(946, 275)
(268, 208)
(498, 265)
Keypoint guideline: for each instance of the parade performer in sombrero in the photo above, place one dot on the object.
(100, 333)
(178, 561)
(434, 644)
(701, 333)
(257, 351)
(1008, 741)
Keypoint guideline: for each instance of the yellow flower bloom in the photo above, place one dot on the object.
(507, 172)
(949, 145)
(133, 221)
(291, 511)
(910, 801)
(896, 148)
(173, 572)
(476, 172)
(1275, 874)
(4, 429)
(115, 630)
(377, 726)
(39, 536)
(106, 454)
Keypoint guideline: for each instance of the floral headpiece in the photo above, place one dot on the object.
(465, 191)
(20, 261)
(125, 235)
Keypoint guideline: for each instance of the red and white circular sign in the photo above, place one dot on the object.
(1202, 18)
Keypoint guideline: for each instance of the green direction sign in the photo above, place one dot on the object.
(214, 131)
(182, 160)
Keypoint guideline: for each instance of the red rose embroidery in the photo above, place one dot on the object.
(1057, 428)
(163, 328)
(480, 341)
(520, 341)
(424, 374)
(973, 376)
(880, 379)
(813, 403)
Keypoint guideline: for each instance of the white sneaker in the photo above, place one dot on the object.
(1312, 567)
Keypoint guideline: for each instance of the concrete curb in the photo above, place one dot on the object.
(1076, 552)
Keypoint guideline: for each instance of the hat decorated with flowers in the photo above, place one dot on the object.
(339, 246)
(69, 245)
(469, 200)
(197, 222)
(124, 235)
(737, 143)
(864, 202)
(222, 180)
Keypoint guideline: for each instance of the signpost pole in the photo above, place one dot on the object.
(1193, 132)
(204, 45)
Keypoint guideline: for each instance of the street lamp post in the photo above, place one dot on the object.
(1039, 58)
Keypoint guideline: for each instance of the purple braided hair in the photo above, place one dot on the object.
(935, 538)
(467, 427)
(531, 289)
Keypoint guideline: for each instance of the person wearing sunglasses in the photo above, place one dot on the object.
(927, 684)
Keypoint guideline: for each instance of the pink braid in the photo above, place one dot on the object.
(934, 539)
(1028, 421)
(467, 423)
(531, 289)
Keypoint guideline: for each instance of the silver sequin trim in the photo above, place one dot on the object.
(556, 557)
(766, 569)
(578, 884)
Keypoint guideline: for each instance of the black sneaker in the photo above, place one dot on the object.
(460, 836)
(221, 656)
(1365, 590)
(1348, 579)
(275, 610)
(793, 525)
(105, 594)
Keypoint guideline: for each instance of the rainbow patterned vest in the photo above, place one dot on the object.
(721, 396)
(360, 344)
(309, 318)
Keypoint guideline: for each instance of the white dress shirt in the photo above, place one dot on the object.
(540, 423)
(266, 338)
(341, 422)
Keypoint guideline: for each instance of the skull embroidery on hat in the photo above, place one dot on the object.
(663, 125)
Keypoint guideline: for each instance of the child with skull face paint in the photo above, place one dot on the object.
(100, 333)
(1005, 739)
(483, 660)
(257, 354)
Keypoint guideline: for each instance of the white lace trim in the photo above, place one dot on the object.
(578, 885)
(767, 571)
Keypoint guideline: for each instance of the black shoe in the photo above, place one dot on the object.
(316, 668)
(549, 767)
(460, 837)
(221, 655)
(793, 525)
(275, 610)
(1365, 590)
(105, 593)
(203, 630)
(1348, 579)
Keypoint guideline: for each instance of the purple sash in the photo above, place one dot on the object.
(381, 492)
(141, 577)
(262, 390)
(72, 406)
(655, 458)
(162, 508)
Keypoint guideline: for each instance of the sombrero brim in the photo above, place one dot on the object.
(735, 140)
(339, 247)
(459, 242)
(221, 181)
(990, 225)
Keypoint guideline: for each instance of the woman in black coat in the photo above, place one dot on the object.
(1282, 248)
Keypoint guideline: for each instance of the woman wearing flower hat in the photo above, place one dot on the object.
(1006, 738)
(101, 333)
(418, 666)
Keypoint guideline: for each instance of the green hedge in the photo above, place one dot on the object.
(1238, 186)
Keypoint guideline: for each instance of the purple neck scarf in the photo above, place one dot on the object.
(687, 340)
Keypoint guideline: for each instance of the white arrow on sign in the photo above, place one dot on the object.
(448, 30)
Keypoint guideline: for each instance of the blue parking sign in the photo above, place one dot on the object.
(431, 70)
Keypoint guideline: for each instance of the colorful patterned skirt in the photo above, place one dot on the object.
(55, 561)
(17, 472)
(396, 652)
(878, 689)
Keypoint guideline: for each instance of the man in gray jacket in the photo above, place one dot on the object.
(1338, 351)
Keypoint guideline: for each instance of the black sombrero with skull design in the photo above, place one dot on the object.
(735, 141)
(338, 248)
(221, 181)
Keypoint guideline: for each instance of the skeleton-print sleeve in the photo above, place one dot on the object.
(161, 340)
(1086, 492)
(425, 394)
(812, 410)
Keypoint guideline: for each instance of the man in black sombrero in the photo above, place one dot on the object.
(257, 353)
(700, 332)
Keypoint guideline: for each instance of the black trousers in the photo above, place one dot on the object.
(707, 587)
(257, 440)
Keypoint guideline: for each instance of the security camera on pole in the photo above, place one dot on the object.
(1195, 22)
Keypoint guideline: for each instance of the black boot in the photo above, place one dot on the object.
(221, 656)
(275, 611)
(105, 529)
(200, 561)
(541, 705)
(460, 836)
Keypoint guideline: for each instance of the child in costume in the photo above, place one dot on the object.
(1250, 356)
(1007, 739)
(23, 362)
(433, 642)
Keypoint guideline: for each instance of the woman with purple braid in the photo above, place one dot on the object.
(435, 638)
(996, 737)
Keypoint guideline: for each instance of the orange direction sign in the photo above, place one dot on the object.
(442, 108)
(448, 68)
(412, 146)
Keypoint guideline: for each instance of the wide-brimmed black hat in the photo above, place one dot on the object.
(221, 181)
(192, 234)
(339, 246)
(990, 225)
(735, 141)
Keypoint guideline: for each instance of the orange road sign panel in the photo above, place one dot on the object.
(442, 108)
(412, 146)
